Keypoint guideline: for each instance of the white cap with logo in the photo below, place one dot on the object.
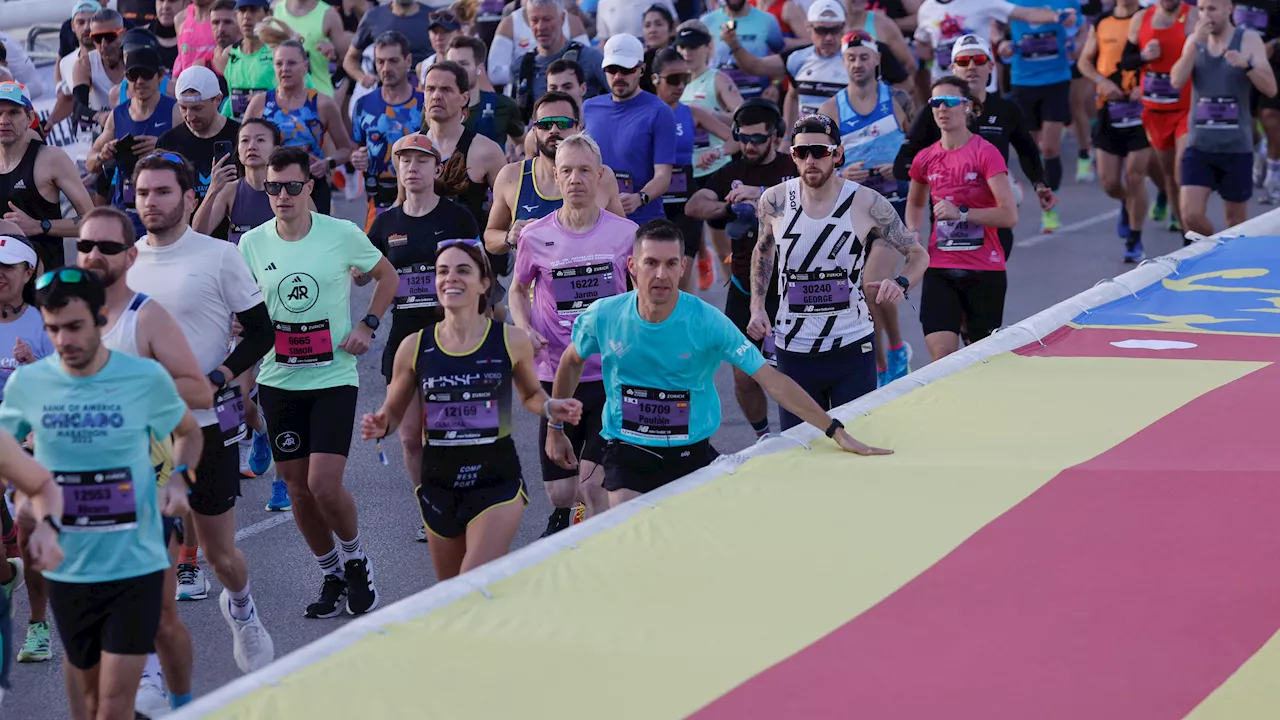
(197, 83)
(970, 45)
(14, 251)
(623, 51)
(826, 11)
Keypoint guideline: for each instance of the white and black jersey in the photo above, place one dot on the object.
(814, 77)
(820, 264)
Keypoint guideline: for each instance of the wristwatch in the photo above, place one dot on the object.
(833, 427)
(217, 378)
(54, 523)
(964, 213)
(45, 226)
(372, 321)
(333, 163)
(903, 283)
(644, 198)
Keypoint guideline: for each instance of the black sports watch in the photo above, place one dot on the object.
(833, 427)
(903, 283)
(217, 378)
(644, 198)
(54, 523)
(45, 226)
(372, 321)
(964, 213)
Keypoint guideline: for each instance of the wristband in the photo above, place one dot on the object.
(833, 427)
(546, 410)
(555, 426)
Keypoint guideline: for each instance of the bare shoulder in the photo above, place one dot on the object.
(773, 201)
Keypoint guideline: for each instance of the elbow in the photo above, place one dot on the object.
(199, 394)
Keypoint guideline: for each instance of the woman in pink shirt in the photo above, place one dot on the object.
(966, 177)
(195, 37)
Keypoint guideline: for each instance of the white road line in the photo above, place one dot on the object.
(1065, 229)
(258, 528)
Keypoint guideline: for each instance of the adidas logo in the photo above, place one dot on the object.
(21, 185)
(269, 268)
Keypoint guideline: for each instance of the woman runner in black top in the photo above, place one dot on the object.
(463, 369)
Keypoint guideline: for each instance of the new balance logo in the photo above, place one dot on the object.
(21, 185)
(269, 268)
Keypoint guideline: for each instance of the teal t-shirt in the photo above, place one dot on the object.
(94, 434)
(307, 286)
(659, 378)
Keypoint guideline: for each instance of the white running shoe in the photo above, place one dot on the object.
(253, 648)
(1260, 163)
(151, 700)
(1271, 186)
(245, 449)
(192, 583)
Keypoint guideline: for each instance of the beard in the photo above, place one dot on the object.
(817, 179)
(166, 222)
(548, 149)
(108, 275)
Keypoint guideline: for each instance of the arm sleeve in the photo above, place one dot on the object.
(1131, 57)
(166, 405)
(585, 335)
(664, 130)
(1025, 145)
(500, 60)
(256, 339)
(731, 345)
(924, 132)
(891, 68)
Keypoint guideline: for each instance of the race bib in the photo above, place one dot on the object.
(953, 235)
(240, 101)
(1158, 88)
(1039, 45)
(625, 183)
(1250, 17)
(575, 288)
(653, 413)
(416, 288)
(678, 190)
(460, 416)
(98, 500)
(304, 344)
(701, 138)
(818, 293)
(228, 405)
(1124, 114)
(1217, 113)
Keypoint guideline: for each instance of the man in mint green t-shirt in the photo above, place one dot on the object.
(308, 385)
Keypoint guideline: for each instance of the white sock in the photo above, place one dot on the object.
(241, 603)
(351, 549)
(329, 564)
(153, 665)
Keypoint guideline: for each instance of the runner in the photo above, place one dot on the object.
(659, 351)
(521, 31)
(226, 33)
(408, 235)
(548, 30)
(571, 259)
(381, 119)
(204, 284)
(473, 493)
(108, 592)
(1124, 154)
(106, 31)
(495, 116)
(308, 389)
(407, 17)
(871, 18)
(1263, 17)
(247, 66)
(755, 29)
(965, 284)
(941, 23)
(101, 77)
(322, 39)
(205, 136)
(823, 329)
(1225, 65)
(195, 37)
(658, 34)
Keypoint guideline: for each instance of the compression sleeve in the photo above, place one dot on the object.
(1131, 58)
(256, 339)
(1025, 145)
(500, 60)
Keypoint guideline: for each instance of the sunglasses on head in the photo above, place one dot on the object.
(473, 242)
(106, 247)
(105, 37)
(965, 60)
(677, 78)
(66, 275)
(619, 70)
(559, 122)
(817, 152)
(167, 157)
(142, 74)
(294, 187)
(446, 16)
(948, 100)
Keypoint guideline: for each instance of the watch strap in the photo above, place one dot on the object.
(833, 427)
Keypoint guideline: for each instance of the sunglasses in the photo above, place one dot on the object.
(858, 38)
(473, 242)
(105, 37)
(835, 30)
(66, 275)
(558, 122)
(947, 100)
(142, 74)
(445, 16)
(619, 70)
(168, 157)
(754, 138)
(817, 152)
(965, 60)
(677, 78)
(294, 188)
(106, 247)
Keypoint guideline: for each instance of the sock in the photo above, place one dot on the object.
(351, 549)
(1135, 237)
(329, 564)
(1162, 199)
(153, 665)
(241, 603)
(187, 555)
(1083, 154)
(176, 701)
(1053, 173)
(761, 427)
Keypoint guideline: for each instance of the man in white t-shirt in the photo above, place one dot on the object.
(940, 23)
(204, 283)
(625, 17)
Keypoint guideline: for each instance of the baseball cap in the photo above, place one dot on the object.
(198, 80)
(859, 38)
(692, 33)
(138, 37)
(14, 250)
(253, 4)
(971, 45)
(143, 57)
(744, 221)
(624, 51)
(14, 93)
(89, 6)
(817, 123)
(445, 18)
(826, 11)
(416, 142)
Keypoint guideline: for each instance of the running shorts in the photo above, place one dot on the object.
(1044, 103)
(585, 436)
(952, 298)
(737, 306)
(118, 616)
(831, 378)
(1118, 141)
(642, 468)
(302, 422)
(1164, 127)
(217, 476)
(1228, 174)
(460, 483)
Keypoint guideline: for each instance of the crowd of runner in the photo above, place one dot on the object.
(549, 187)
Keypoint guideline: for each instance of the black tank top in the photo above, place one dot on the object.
(19, 187)
(466, 399)
(454, 183)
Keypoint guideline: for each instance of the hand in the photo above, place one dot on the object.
(708, 158)
(517, 227)
(945, 210)
(729, 36)
(1237, 59)
(368, 80)
(848, 444)
(854, 171)
(108, 151)
(885, 171)
(1110, 90)
(357, 341)
(1005, 49)
(565, 411)
(319, 168)
(22, 352)
(744, 193)
(1136, 93)
(1046, 197)
(759, 326)
(144, 145)
(1201, 34)
(236, 328)
(1151, 51)
(43, 549)
(360, 158)
(173, 497)
(1069, 17)
(28, 225)
(538, 340)
(374, 425)
(224, 173)
(887, 292)
(324, 47)
(630, 202)
(773, 94)
(560, 450)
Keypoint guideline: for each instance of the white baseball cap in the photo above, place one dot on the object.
(623, 51)
(14, 251)
(971, 45)
(197, 83)
(826, 11)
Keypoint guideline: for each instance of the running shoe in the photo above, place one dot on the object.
(14, 583)
(559, 519)
(1271, 188)
(36, 648)
(706, 272)
(1160, 209)
(899, 361)
(252, 646)
(260, 457)
(244, 448)
(332, 594)
(151, 700)
(192, 584)
(1260, 163)
(1122, 223)
(279, 501)
(882, 378)
(1084, 170)
(1133, 253)
(1049, 221)
(1174, 225)
(362, 596)
(422, 533)
(579, 514)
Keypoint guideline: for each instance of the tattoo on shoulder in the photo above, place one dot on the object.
(771, 203)
(891, 228)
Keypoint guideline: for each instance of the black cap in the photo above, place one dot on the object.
(744, 222)
(143, 57)
(692, 37)
(445, 18)
(817, 123)
(139, 37)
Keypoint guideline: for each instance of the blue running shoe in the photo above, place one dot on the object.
(1134, 254)
(1122, 225)
(882, 378)
(279, 501)
(899, 362)
(260, 458)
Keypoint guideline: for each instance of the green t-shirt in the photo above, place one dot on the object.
(247, 75)
(307, 286)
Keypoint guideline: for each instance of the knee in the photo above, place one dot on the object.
(226, 561)
(563, 493)
(1112, 186)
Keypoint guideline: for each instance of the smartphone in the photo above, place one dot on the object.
(732, 25)
(125, 143)
(221, 149)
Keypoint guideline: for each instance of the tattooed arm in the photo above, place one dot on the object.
(891, 239)
(904, 109)
(763, 257)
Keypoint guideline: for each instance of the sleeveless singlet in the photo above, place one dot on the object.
(251, 209)
(1112, 34)
(19, 187)
(819, 263)
(1158, 92)
(123, 336)
(531, 204)
(874, 139)
(701, 91)
(453, 181)
(1221, 120)
(681, 186)
(195, 42)
(248, 75)
(156, 124)
(466, 399)
(311, 28)
(299, 128)
(815, 78)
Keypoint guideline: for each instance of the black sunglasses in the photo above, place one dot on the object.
(754, 138)
(818, 152)
(105, 37)
(828, 30)
(558, 122)
(137, 74)
(106, 247)
(294, 187)
(677, 78)
(619, 70)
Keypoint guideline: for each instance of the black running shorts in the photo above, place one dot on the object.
(119, 617)
(952, 298)
(643, 468)
(217, 476)
(585, 436)
(302, 422)
(460, 483)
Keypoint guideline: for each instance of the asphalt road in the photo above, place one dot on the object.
(1042, 271)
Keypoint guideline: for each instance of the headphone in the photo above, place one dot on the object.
(779, 125)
